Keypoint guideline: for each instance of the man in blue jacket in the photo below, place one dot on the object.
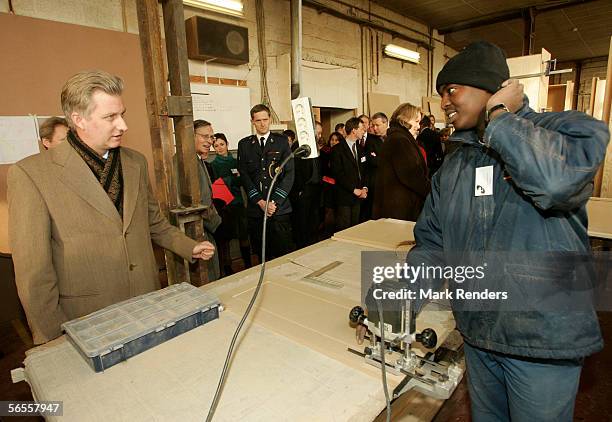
(511, 199)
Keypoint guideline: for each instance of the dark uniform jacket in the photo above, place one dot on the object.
(373, 147)
(346, 172)
(430, 140)
(257, 169)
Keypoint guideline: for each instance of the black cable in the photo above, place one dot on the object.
(213, 405)
(383, 365)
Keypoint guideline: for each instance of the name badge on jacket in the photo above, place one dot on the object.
(483, 184)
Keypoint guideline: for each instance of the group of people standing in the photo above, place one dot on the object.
(368, 168)
(513, 192)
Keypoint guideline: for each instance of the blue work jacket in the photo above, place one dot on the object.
(530, 233)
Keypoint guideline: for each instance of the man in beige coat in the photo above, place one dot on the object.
(82, 215)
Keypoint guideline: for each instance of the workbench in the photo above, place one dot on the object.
(291, 361)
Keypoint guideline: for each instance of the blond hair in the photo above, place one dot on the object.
(78, 90)
(404, 113)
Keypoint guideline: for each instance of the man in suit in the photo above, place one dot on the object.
(340, 129)
(348, 170)
(204, 137)
(259, 157)
(369, 148)
(380, 124)
(82, 215)
(53, 131)
(430, 139)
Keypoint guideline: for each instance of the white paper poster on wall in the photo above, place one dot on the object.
(330, 86)
(18, 138)
(226, 107)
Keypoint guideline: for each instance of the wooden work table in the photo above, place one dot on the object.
(291, 362)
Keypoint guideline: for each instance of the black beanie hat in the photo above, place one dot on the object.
(480, 64)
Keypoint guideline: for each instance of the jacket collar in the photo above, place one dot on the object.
(78, 176)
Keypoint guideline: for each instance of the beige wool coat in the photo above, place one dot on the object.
(73, 254)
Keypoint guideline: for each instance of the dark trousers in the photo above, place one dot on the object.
(347, 216)
(508, 388)
(279, 238)
(305, 216)
(365, 210)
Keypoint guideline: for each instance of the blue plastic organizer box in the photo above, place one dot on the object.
(125, 329)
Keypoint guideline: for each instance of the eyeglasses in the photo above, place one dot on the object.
(205, 136)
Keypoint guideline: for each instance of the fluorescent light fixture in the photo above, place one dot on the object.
(402, 53)
(229, 7)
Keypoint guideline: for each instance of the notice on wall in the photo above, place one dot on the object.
(18, 138)
(226, 107)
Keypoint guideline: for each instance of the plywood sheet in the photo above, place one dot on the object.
(569, 95)
(606, 184)
(599, 211)
(382, 102)
(536, 88)
(271, 378)
(556, 97)
(385, 233)
(599, 99)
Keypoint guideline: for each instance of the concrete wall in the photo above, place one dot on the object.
(326, 39)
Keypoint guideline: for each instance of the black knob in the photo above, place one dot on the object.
(356, 315)
(427, 338)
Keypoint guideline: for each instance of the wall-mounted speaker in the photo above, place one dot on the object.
(210, 39)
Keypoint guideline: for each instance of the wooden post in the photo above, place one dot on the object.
(178, 74)
(160, 108)
(159, 123)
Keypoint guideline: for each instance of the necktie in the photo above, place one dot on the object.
(356, 157)
(262, 142)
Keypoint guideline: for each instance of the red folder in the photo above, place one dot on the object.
(221, 191)
(327, 179)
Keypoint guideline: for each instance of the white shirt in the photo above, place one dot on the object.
(350, 144)
(265, 136)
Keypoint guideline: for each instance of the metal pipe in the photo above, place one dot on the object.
(296, 48)
(374, 15)
(577, 85)
(364, 22)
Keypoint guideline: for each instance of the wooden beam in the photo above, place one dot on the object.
(161, 108)
(178, 74)
(159, 123)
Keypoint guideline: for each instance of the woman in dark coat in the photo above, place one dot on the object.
(402, 182)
